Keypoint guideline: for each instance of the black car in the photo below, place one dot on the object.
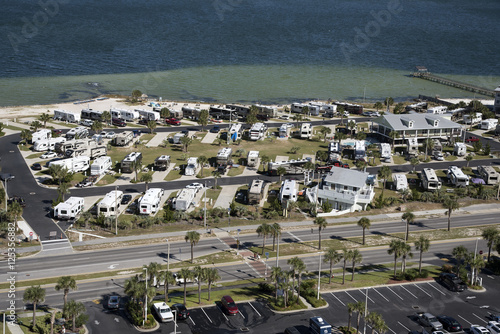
(181, 311)
(450, 324)
(215, 129)
(126, 199)
(452, 282)
(36, 166)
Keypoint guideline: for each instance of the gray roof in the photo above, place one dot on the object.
(420, 122)
(347, 177)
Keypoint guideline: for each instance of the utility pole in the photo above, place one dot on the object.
(205, 211)
(319, 274)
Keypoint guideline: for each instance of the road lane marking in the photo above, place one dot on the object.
(364, 293)
(337, 299)
(350, 296)
(478, 317)
(394, 293)
(409, 291)
(470, 323)
(404, 326)
(51, 249)
(206, 316)
(295, 237)
(255, 309)
(376, 290)
(254, 270)
(417, 285)
(192, 321)
(441, 292)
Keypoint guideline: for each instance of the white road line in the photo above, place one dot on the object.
(239, 312)
(441, 292)
(376, 290)
(404, 326)
(479, 317)
(470, 323)
(255, 270)
(364, 293)
(294, 236)
(51, 249)
(206, 316)
(337, 299)
(53, 241)
(192, 321)
(223, 313)
(417, 285)
(409, 291)
(350, 296)
(393, 332)
(255, 309)
(394, 293)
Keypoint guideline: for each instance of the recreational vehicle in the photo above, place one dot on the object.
(474, 119)
(133, 159)
(400, 181)
(92, 151)
(74, 144)
(306, 131)
(148, 115)
(460, 149)
(488, 174)
(91, 114)
(288, 191)
(439, 110)
(291, 166)
(255, 191)
(162, 163)
(266, 110)
(192, 113)
(333, 147)
(412, 147)
(67, 116)
(224, 156)
(42, 134)
(124, 138)
(385, 152)
(150, 202)
(235, 131)
(101, 165)
(489, 124)
(74, 165)
(429, 179)
(359, 150)
(126, 115)
(69, 209)
(77, 133)
(177, 138)
(47, 144)
(110, 203)
(457, 177)
(253, 159)
(284, 131)
(184, 199)
(191, 167)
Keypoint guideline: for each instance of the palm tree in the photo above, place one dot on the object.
(422, 245)
(428, 146)
(414, 162)
(297, 118)
(185, 141)
(284, 284)
(459, 253)
(147, 178)
(356, 257)
(26, 135)
(185, 274)
(300, 267)
(264, 160)
(66, 283)
(450, 204)
(36, 295)
(151, 126)
(293, 262)
(294, 149)
(321, 222)
(211, 276)
(340, 136)
(376, 322)
(153, 270)
(468, 158)
(275, 232)
(393, 135)
(97, 126)
(263, 231)
(409, 217)
(351, 307)
(347, 254)
(364, 223)
(216, 175)
(106, 117)
(351, 125)
(73, 310)
(193, 238)
(199, 272)
(136, 165)
(203, 119)
(281, 171)
(325, 131)
(491, 235)
(202, 160)
(475, 263)
(132, 288)
(167, 277)
(384, 173)
(332, 257)
(35, 125)
(396, 248)
(405, 252)
(378, 105)
(45, 117)
(276, 273)
(360, 308)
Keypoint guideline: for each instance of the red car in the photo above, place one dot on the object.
(471, 140)
(229, 305)
(172, 121)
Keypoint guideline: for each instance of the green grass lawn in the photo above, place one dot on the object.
(235, 171)
(399, 160)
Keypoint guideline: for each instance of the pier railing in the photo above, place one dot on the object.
(453, 83)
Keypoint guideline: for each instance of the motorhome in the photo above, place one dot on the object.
(47, 144)
(133, 159)
(148, 115)
(412, 147)
(318, 325)
(291, 166)
(126, 115)
(191, 167)
(256, 191)
(74, 165)
(429, 179)
(77, 133)
(224, 156)
(161, 163)
(69, 209)
(306, 131)
(253, 159)
(91, 114)
(474, 119)
(101, 165)
(235, 131)
(288, 191)
(460, 149)
(110, 203)
(488, 174)
(74, 144)
(333, 147)
(489, 124)
(359, 150)
(177, 138)
(67, 116)
(457, 177)
(258, 131)
(400, 181)
(266, 110)
(42, 134)
(93, 151)
(150, 202)
(184, 199)
(439, 110)
(192, 113)
(351, 108)
(124, 138)
(284, 131)
(299, 108)
(385, 152)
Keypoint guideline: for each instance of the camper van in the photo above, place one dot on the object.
(77, 133)
(306, 131)
(42, 134)
(191, 167)
(148, 115)
(400, 181)
(489, 124)
(457, 177)
(161, 163)
(124, 138)
(429, 179)
(128, 162)
(256, 191)
(439, 110)
(126, 115)
(224, 156)
(69, 209)
(110, 203)
(100, 166)
(47, 144)
(150, 202)
(460, 149)
(488, 174)
(253, 159)
(63, 115)
(184, 199)
(74, 165)
(288, 191)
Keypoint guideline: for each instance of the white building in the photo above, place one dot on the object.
(110, 203)
(69, 209)
(150, 202)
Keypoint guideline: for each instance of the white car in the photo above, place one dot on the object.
(110, 135)
(86, 122)
(284, 117)
(195, 185)
(493, 327)
(180, 281)
(48, 155)
(163, 312)
(477, 329)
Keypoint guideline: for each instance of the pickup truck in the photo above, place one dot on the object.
(172, 121)
(427, 319)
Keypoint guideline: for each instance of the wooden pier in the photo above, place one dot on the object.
(424, 74)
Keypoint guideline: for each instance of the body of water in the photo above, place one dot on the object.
(244, 51)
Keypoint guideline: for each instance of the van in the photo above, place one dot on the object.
(118, 122)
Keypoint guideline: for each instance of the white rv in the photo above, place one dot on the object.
(184, 199)
(109, 203)
(488, 174)
(439, 110)
(253, 159)
(42, 134)
(488, 124)
(127, 115)
(258, 131)
(69, 209)
(149, 114)
(385, 152)
(92, 114)
(255, 191)
(127, 164)
(224, 156)
(284, 131)
(47, 144)
(314, 108)
(457, 177)
(288, 191)
(235, 131)
(74, 165)
(101, 165)
(400, 181)
(78, 133)
(359, 150)
(150, 202)
(124, 138)
(177, 138)
(306, 131)
(412, 145)
(191, 167)
(429, 179)
(478, 117)
(460, 149)
(68, 116)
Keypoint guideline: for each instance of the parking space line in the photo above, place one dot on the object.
(394, 293)
(350, 296)
(255, 309)
(417, 285)
(223, 313)
(393, 332)
(206, 316)
(409, 291)
(364, 293)
(239, 312)
(192, 321)
(404, 326)
(337, 299)
(441, 292)
(470, 323)
(479, 317)
(376, 290)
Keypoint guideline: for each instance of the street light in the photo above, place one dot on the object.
(404, 222)
(319, 274)
(146, 299)
(205, 211)
(168, 255)
(366, 308)
(473, 270)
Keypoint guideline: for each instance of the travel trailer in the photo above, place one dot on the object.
(126, 115)
(256, 191)
(224, 156)
(74, 144)
(284, 131)
(69, 209)
(150, 202)
(74, 165)
(92, 151)
(488, 174)
(457, 177)
(161, 163)
(110, 203)
(101, 165)
(42, 134)
(489, 124)
(412, 147)
(124, 138)
(459, 149)
(291, 166)
(400, 181)
(385, 152)
(253, 159)
(67, 116)
(47, 144)
(439, 110)
(235, 131)
(191, 113)
(191, 167)
(288, 191)
(184, 199)
(478, 117)
(429, 179)
(91, 114)
(306, 131)
(77, 133)
(148, 115)
(359, 150)
(127, 164)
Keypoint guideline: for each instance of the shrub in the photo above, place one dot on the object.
(447, 268)
(150, 322)
(135, 311)
(315, 302)
(266, 288)
(81, 320)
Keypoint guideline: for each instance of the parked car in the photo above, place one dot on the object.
(450, 324)
(56, 132)
(48, 155)
(229, 305)
(118, 122)
(86, 122)
(477, 329)
(452, 282)
(493, 327)
(181, 311)
(126, 199)
(113, 302)
(180, 280)
(286, 117)
(215, 129)
(471, 139)
(438, 156)
(84, 184)
(110, 135)
(163, 312)
(195, 185)
(36, 166)
(172, 121)
(427, 319)
(215, 120)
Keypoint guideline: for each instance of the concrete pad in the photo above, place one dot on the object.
(160, 176)
(281, 158)
(158, 139)
(309, 156)
(226, 196)
(209, 138)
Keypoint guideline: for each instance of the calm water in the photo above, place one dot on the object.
(241, 50)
